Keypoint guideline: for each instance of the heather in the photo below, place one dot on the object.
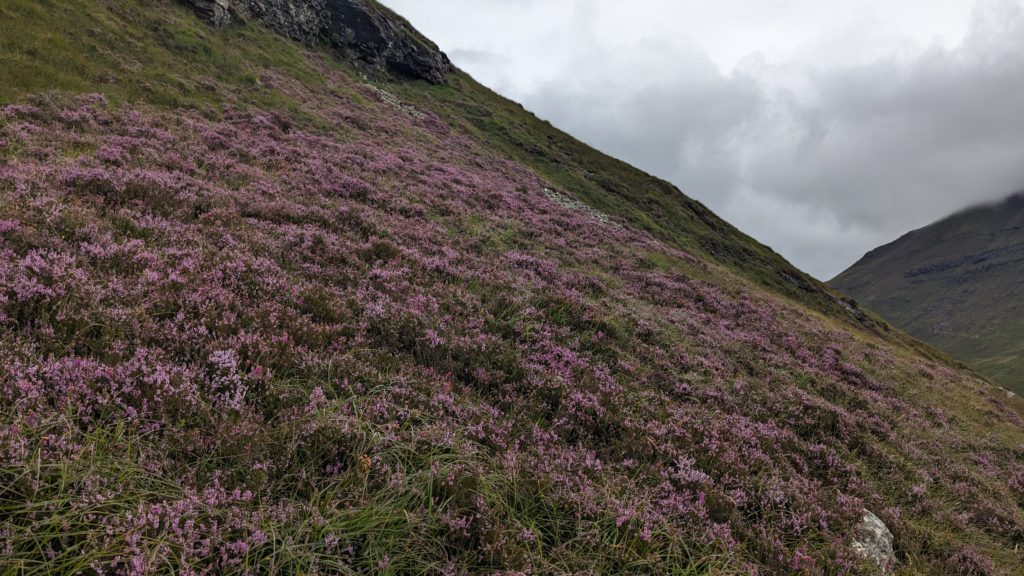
(352, 335)
(155, 52)
(231, 343)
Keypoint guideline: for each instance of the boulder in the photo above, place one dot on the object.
(217, 12)
(873, 541)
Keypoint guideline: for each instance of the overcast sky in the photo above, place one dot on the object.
(823, 129)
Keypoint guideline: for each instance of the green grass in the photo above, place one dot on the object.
(401, 530)
(135, 51)
(160, 54)
(638, 198)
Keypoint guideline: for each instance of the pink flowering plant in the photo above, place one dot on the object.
(243, 343)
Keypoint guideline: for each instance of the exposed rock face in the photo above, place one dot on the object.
(301, 20)
(361, 29)
(873, 541)
(384, 40)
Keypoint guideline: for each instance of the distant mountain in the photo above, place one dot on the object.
(957, 284)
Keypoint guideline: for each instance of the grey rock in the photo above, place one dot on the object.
(384, 40)
(217, 12)
(301, 20)
(573, 204)
(873, 541)
(363, 30)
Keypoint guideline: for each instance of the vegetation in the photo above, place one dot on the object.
(290, 322)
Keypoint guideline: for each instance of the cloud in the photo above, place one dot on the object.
(820, 137)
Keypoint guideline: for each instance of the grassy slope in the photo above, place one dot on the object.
(134, 52)
(156, 54)
(956, 284)
(177, 65)
(615, 187)
(633, 196)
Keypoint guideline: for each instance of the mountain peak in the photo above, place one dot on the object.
(361, 29)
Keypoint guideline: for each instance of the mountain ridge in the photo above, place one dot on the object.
(338, 23)
(1007, 202)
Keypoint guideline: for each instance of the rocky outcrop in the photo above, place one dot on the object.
(873, 541)
(300, 20)
(360, 29)
(384, 40)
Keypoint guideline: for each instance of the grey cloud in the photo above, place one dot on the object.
(903, 143)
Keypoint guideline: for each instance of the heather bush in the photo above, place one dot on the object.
(241, 343)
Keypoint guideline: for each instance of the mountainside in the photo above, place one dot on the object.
(277, 303)
(957, 284)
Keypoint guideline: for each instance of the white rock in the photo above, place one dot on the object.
(873, 541)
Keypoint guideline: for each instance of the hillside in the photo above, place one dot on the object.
(957, 284)
(292, 296)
